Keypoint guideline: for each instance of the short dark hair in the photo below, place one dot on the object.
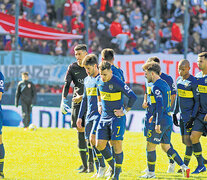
(25, 73)
(154, 59)
(90, 59)
(107, 54)
(152, 66)
(203, 54)
(104, 65)
(82, 47)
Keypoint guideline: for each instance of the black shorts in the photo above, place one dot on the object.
(74, 116)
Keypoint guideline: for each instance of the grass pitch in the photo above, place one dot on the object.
(53, 154)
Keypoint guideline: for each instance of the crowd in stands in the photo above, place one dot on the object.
(128, 26)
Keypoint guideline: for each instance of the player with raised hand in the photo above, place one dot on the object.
(149, 101)
(160, 128)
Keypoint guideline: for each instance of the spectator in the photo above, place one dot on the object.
(40, 7)
(135, 18)
(77, 8)
(68, 11)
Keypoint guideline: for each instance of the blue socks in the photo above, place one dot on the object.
(173, 153)
(119, 160)
(151, 160)
(2, 153)
(188, 154)
(108, 156)
(198, 153)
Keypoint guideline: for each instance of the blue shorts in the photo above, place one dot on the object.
(111, 130)
(163, 137)
(183, 130)
(88, 128)
(95, 125)
(1, 122)
(199, 124)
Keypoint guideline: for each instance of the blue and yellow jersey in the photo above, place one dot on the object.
(202, 88)
(118, 72)
(162, 95)
(169, 81)
(89, 101)
(187, 101)
(111, 96)
(150, 97)
(1, 85)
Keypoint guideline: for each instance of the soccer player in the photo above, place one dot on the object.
(187, 103)
(160, 128)
(113, 119)
(200, 122)
(27, 92)
(89, 104)
(149, 100)
(77, 73)
(2, 152)
(107, 54)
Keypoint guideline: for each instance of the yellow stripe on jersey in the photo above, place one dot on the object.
(202, 89)
(91, 91)
(185, 93)
(149, 90)
(152, 98)
(1, 160)
(110, 96)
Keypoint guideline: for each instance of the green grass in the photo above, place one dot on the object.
(53, 154)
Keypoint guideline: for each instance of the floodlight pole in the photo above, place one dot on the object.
(186, 26)
(86, 22)
(16, 24)
(157, 25)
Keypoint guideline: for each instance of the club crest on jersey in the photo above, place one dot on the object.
(186, 84)
(29, 85)
(111, 86)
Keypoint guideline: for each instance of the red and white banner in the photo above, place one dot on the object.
(132, 65)
(35, 31)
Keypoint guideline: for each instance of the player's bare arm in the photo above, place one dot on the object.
(205, 118)
(79, 122)
(144, 104)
